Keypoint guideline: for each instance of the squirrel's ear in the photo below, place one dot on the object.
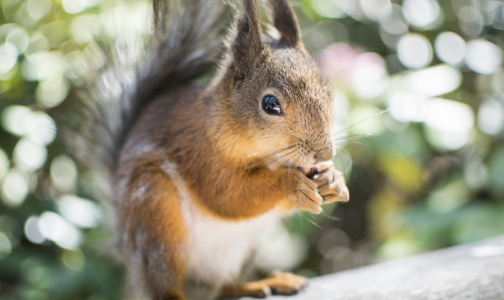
(248, 36)
(284, 19)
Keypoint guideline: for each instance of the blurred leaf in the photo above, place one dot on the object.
(404, 172)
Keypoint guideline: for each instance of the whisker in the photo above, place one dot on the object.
(348, 142)
(291, 165)
(356, 146)
(349, 159)
(340, 89)
(283, 156)
(333, 218)
(295, 162)
(259, 160)
(312, 222)
(276, 159)
(365, 119)
(345, 168)
(361, 165)
(279, 158)
(352, 135)
(301, 220)
(276, 152)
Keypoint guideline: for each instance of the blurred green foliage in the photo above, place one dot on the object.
(426, 174)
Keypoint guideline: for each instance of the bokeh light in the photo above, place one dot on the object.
(32, 231)
(450, 123)
(393, 21)
(19, 38)
(450, 48)
(14, 188)
(63, 173)
(29, 155)
(38, 8)
(5, 245)
(375, 9)
(422, 13)
(470, 20)
(414, 51)
(433, 81)
(491, 116)
(369, 76)
(4, 164)
(8, 57)
(74, 6)
(54, 227)
(483, 57)
(80, 212)
(328, 8)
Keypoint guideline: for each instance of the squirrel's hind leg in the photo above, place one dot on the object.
(153, 230)
(279, 283)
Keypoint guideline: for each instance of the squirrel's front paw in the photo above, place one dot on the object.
(331, 185)
(303, 192)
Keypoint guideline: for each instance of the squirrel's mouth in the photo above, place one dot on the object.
(309, 172)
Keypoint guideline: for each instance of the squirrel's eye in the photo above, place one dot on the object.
(271, 105)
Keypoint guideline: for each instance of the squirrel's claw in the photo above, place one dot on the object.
(332, 186)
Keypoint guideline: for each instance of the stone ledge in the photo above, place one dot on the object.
(474, 271)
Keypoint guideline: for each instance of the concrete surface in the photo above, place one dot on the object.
(469, 272)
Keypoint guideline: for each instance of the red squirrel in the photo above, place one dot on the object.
(199, 174)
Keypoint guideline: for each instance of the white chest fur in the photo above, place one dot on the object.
(217, 249)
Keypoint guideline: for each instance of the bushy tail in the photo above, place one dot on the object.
(185, 44)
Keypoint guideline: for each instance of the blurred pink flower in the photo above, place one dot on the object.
(364, 73)
(337, 60)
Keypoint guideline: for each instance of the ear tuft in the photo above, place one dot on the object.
(247, 43)
(284, 19)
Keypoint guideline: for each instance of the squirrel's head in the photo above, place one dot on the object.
(277, 97)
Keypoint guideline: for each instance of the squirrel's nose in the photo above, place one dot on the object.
(325, 154)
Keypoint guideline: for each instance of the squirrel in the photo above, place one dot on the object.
(197, 175)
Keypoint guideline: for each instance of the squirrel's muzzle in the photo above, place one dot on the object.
(324, 154)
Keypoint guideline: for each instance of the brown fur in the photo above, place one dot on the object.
(212, 135)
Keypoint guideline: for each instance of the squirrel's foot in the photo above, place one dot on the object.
(332, 186)
(279, 283)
